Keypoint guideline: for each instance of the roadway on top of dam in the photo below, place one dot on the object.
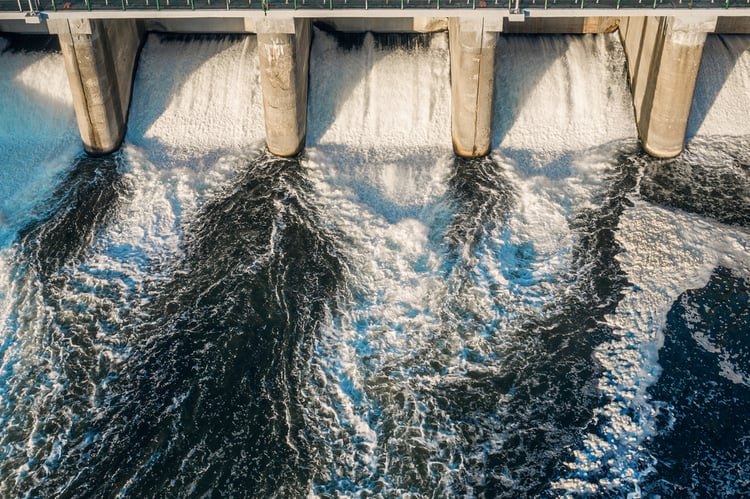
(374, 8)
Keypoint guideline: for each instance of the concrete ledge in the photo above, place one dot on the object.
(386, 24)
(733, 25)
(464, 13)
(534, 20)
(198, 26)
(22, 27)
(563, 25)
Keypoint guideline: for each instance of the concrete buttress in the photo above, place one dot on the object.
(664, 56)
(100, 58)
(284, 51)
(472, 48)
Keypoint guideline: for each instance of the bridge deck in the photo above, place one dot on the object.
(343, 5)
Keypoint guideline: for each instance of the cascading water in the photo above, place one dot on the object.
(38, 141)
(190, 316)
(38, 135)
(450, 371)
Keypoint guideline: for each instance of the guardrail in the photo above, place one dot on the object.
(197, 5)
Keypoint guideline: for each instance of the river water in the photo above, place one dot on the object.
(191, 316)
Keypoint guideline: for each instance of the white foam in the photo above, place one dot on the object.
(665, 253)
(38, 139)
(561, 118)
(196, 117)
(197, 97)
(38, 132)
(721, 105)
(374, 97)
(560, 94)
(727, 367)
(380, 174)
(379, 157)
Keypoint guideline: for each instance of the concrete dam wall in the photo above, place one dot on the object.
(663, 56)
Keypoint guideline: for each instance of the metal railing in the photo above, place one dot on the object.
(156, 5)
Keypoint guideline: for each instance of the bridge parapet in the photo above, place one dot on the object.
(313, 8)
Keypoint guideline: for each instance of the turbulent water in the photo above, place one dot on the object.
(191, 316)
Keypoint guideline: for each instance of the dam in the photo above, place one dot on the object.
(663, 44)
(193, 315)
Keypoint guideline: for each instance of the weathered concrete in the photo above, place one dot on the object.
(19, 26)
(100, 58)
(284, 52)
(664, 55)
(472, 48)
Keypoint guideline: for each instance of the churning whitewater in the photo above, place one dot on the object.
(191, 316)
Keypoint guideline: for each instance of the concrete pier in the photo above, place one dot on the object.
(664, 55)
(472, 48)
(284, 52)
(100, 58)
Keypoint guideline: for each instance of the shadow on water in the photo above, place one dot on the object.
(81, 206)
(210, 402)
(705, 179)
(149, 95)
(514, 88)
(37, 114)
(18, 42)
(356, 40)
